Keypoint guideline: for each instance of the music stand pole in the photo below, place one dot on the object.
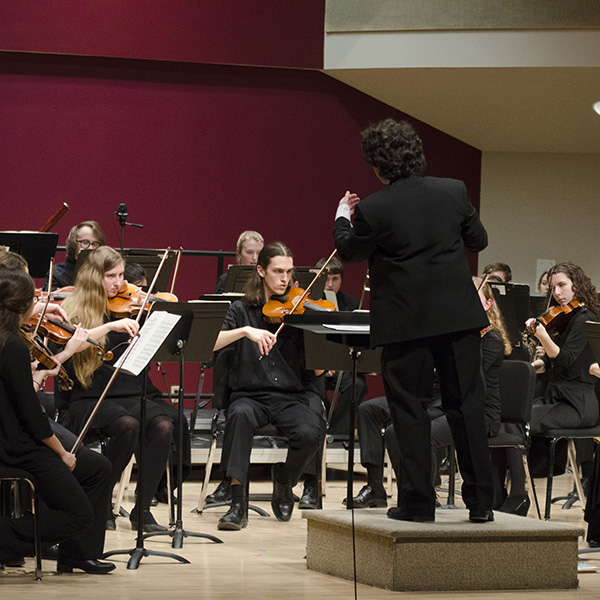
(179, 533)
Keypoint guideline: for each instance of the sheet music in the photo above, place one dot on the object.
(349, 328)
(154, 332)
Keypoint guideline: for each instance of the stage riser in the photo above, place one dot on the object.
(451, 554)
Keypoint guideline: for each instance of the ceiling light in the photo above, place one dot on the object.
(597, 107)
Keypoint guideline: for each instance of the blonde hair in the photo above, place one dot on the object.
(246, 236)
(494, 314)
(88, 305)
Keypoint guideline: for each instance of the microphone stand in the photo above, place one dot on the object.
(122, 213)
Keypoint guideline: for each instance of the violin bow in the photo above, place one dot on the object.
(366, 288)
(88, 423)
(51, 271)
(176, 269)
(484, 279)
(151, 286)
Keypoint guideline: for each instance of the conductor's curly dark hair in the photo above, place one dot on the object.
(394, 148)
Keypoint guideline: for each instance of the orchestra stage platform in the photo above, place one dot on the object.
(450, 554)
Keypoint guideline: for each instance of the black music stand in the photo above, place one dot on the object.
(35, 247)
(239, 275)
(196, 333)
(344, 349)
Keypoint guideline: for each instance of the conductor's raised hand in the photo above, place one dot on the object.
(349, 199)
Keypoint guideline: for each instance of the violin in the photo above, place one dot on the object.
(130, 298)
(556, 316)
(42, 354)
(60, 332)
(295, 300)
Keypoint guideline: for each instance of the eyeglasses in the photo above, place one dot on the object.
(85, 244)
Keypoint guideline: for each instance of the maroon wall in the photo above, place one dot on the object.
(283, 33)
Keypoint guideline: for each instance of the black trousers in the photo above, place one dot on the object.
(408, 380)
(290, 414)
(372, 416)
(74, 504)
(341, 413)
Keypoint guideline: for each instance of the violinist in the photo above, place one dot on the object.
(271, 390)
(74, 489)
(101, 278)
(248, 246)
(569, 399)
(85, 236)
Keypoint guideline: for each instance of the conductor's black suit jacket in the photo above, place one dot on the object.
(414, 233)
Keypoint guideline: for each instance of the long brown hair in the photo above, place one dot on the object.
(254, 292)
(493, 313)
(583, 287)
(88, 305)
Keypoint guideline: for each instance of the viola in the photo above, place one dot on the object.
(556, 316)
(129, 301)
(42, 354)
(296, 301)
(60, 332)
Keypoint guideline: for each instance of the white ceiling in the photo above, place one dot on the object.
(499, 103)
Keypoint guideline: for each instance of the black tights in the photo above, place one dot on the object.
(123, 442)
(510, 459)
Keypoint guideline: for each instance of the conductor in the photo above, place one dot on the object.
(424, 308)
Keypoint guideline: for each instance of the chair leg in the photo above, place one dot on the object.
(323, 471)
(389, 474)
(37, 530)
(572, 454)
(207, 472)
(123, 484)
(530, 484)
(550, 478)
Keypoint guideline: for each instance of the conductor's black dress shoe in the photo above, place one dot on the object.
(282, 501)
(234, 519)
(481, 516)
(398, 514)
(367, 498)
(221, 494)
(91, 566)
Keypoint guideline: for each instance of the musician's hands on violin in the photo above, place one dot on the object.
(39, 375)
(128, 326)
(77, 343)
(53, 309)
(535, 327)
(595, 369)
(263, 338)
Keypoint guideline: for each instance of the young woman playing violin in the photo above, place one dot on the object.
(570, 399)
(75, 489)
(98, 280)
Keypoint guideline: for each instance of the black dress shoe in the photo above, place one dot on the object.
(398, 514)
(282, 501)
(234, 519)
(50, 552)
(594, 543)
(91, 566)
(516, 505)
(15, 563)
(310, 498)
(481, 516)
(111, 523)
(150, 524)
(221, 494)
(367, 498)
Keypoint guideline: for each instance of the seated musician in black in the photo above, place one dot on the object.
(338, 424)
(266, 390)
(85, 236)
(249, 244)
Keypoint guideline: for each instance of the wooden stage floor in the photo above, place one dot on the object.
(265, 560)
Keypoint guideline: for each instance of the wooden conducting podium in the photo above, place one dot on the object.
(339, 341)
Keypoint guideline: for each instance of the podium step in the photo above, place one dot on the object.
(450, 554)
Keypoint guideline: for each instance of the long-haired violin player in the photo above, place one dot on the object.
(569, 400)
(273, 390)
(99, 279)
(75, 489)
